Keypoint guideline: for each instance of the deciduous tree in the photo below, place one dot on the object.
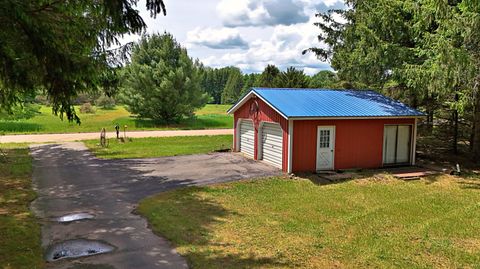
(64, 47)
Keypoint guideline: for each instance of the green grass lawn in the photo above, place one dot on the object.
(19, 230)
(209, 117)
(160, 146)
(364, 223)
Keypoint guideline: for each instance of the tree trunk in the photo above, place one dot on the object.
(455, 131)
(455, 126)
(476, 121)
(472, 136)
(429, 112)
(476, 130)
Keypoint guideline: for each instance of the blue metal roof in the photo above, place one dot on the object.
(333, 103)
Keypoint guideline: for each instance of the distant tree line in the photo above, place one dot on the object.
(225, 85)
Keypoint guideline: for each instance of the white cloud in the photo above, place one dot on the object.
(222, 38)
(248, 34)
(234, 13)
(283, 48)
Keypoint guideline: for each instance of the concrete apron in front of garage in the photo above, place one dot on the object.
(70, 180)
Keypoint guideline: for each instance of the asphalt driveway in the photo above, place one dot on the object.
(69, 179)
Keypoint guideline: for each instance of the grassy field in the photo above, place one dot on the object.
(375, 222)
(19, 230)
(160, 146)
(209, 117)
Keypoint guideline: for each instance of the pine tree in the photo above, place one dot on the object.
(162, 82)
(233, 87)
(292, 78)
(268, 77)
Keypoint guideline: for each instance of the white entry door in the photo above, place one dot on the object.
(325, 147)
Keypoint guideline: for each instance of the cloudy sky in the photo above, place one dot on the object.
(248, 34)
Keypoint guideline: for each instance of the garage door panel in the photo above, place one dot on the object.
(272, 143)
(271, 152)
(247, 137)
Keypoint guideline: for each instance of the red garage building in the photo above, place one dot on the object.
(318, 129)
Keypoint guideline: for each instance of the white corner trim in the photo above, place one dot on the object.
(236, 141)
(290, 146)
(414, 142)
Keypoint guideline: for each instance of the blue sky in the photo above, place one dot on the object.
(248, 34)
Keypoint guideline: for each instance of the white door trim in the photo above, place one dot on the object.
(290, 145)
(332, 145)
(414, 143)
(413, 137)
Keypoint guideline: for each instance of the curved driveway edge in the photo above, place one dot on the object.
(44, 138)
(69, 179)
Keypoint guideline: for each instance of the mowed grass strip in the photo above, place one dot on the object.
(19, 229)
(160, 146)
(209, 117)
(280, 223)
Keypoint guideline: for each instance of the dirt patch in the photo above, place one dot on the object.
(470, 245)
(378, 179)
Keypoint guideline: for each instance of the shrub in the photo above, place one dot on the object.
(87, 108)
(42, 100)
(105, 102)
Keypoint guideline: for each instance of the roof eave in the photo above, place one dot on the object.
(354, 117)
(247, 97)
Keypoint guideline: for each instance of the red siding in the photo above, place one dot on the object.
(358, 142)
(265, 113)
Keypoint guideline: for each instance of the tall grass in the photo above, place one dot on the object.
(209, 117)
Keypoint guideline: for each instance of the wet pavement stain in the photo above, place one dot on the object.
(76, 248)
(74, 217)
(91, 266)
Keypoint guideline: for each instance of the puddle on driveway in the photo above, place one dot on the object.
(91, 266)
(74, 217)
(76, 248)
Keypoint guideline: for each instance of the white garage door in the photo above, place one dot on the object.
(247, 135)
(271, 148)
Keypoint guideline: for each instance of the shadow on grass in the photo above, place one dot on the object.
(190, 223)
(16, 126)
